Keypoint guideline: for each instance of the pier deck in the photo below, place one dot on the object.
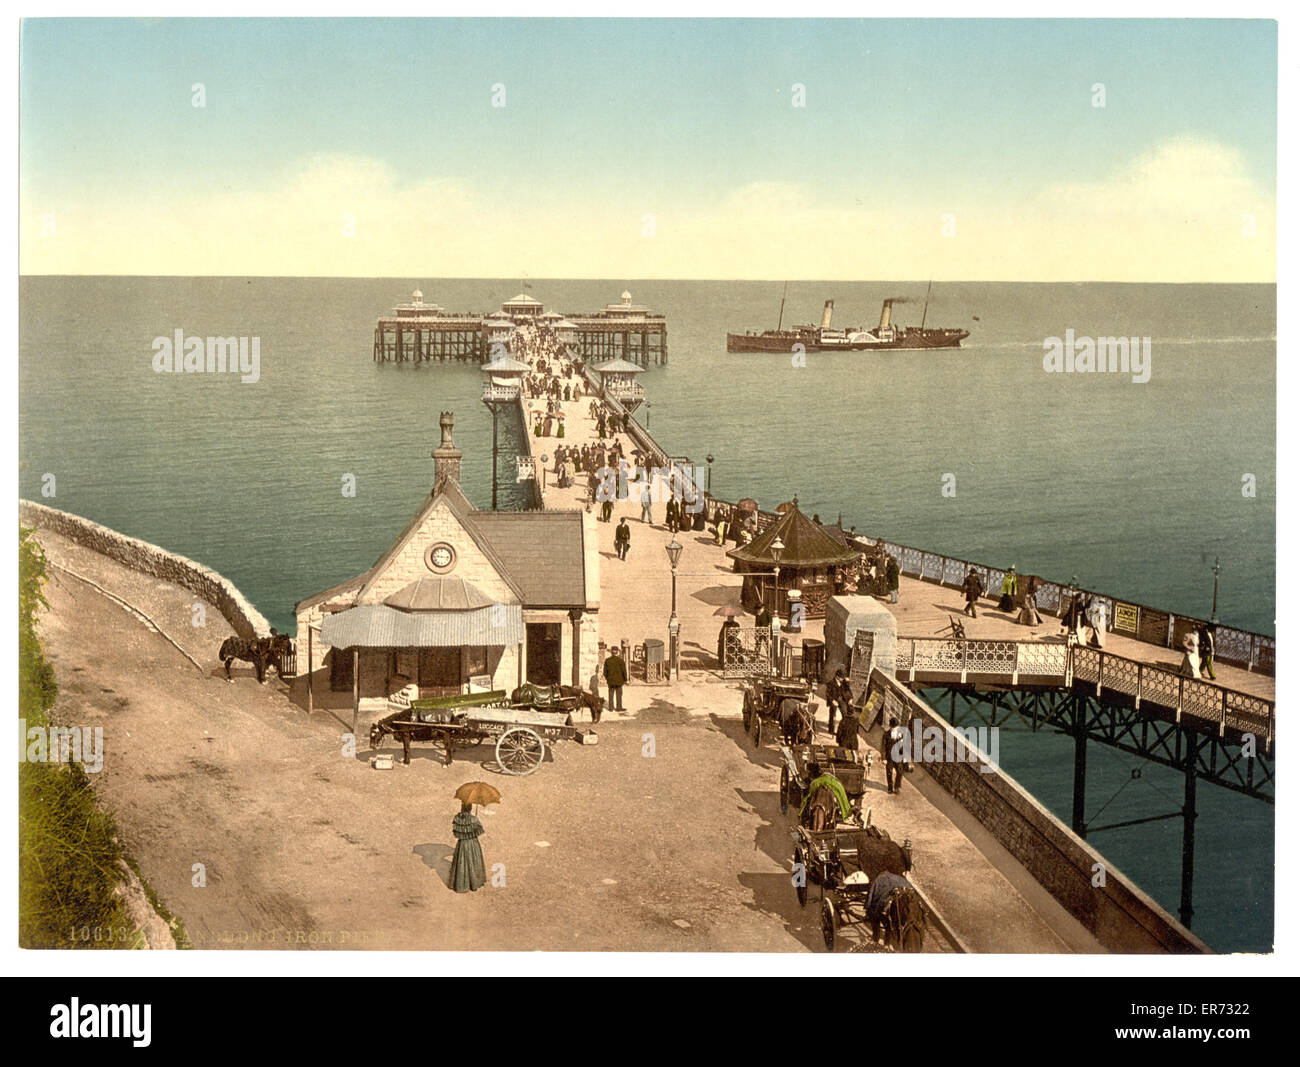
(989, 899)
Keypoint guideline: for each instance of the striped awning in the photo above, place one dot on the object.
(379, 626)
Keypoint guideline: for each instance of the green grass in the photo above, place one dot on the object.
(70, 872)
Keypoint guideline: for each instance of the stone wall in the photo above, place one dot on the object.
(1120, 915)
(149, 559)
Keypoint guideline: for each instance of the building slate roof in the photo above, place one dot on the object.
(541, 550)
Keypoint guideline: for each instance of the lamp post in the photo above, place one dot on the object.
(674, 550)
(709, 460)
(1214, 607)
(777, 547)
(647, 416)
(1071, 593)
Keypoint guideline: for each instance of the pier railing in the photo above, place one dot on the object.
(1235, 647)
(1025, 664)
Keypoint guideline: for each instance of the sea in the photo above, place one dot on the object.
(296, 481)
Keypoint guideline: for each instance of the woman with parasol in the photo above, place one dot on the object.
(467, 870)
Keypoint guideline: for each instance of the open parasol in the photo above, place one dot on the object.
(783, 508)
(748, 504)
(478, 793)
(729, 611)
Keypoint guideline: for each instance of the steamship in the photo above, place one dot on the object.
(852, 339)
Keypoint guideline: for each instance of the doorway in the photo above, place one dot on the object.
(544, 643)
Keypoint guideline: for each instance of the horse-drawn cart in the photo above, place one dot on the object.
(521, 732)
(801, 765)
(763, 710)
(862, 877)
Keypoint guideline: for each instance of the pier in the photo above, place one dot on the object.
(1129, 695)
(419, 332)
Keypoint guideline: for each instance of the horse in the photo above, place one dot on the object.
(895, 911)
(822, 810)
(260, 651)
(545, 696)
(877, 853)
(796, 721)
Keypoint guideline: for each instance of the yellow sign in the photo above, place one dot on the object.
(1126, 617)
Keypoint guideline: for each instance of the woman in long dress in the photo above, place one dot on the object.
(1008, 600)
(467, 871)
(1029, 609)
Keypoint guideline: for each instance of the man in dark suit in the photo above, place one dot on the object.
(839, 695)
(622, 537)
(615, 678)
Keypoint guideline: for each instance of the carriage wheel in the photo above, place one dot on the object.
(785, 790)
(829, 921)
(758, 730)
(520, 750)
(801, 889)
(745, 712)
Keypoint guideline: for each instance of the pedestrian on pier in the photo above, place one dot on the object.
(615, 678)
(974, 589)
(622, 538)
(1191, 665)
(1205, 641)
(1008, 601)
(839, 695)
(600, 425)
(1096, 616)
(891, 579)
(1029, 609)
(894, 745)
(647, 515)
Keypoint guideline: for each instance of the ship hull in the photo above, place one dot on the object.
(913, 339)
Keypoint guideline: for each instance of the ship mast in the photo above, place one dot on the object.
(781, 317)
(925, 311)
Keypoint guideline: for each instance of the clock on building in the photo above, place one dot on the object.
(440, 557)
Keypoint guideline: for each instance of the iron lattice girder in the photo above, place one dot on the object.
(1124, 728)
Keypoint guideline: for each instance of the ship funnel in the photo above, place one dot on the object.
(828, 310)
(885, 309)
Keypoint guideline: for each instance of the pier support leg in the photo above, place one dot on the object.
(1080, 768)
(1189, 827)
(494, 457)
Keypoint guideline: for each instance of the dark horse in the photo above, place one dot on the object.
(548, 696)
(259, 652)
(796, 721)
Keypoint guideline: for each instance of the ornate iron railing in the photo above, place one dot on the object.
(964, 660)
(1235, 647)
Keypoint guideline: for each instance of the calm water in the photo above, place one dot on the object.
(1133, 488)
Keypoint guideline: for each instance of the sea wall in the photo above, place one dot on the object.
(1120, 915)
(149, 559)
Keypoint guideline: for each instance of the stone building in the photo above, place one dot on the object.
(464, 600)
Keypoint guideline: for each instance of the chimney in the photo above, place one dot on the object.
(827, 310)
(885, 309)
(446, 457)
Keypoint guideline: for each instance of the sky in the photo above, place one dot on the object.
(952, 149)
